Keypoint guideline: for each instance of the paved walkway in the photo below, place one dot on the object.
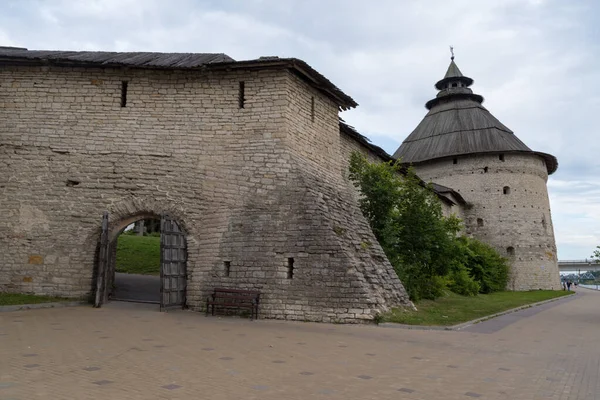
(131, 351)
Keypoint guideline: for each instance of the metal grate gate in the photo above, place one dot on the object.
(173, 260)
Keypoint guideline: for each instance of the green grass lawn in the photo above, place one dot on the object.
(10, 299)
(454, 309)
(138, 254)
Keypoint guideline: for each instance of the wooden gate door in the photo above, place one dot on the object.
(173, 264)
(102, 268)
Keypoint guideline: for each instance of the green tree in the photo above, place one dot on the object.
(422, 245)
(596, 255)
(407, 220)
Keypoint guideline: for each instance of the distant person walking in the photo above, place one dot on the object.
(564, 284)
(569, 286)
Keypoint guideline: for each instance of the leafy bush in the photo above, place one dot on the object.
(460, 282)
(484, 264)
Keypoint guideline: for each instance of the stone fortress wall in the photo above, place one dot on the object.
(510, 210)
(258, 187)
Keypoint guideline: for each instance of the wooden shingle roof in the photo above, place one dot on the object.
(214, 61)
(116, 59)
(458, 124)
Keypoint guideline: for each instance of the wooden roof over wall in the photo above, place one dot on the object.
(173, 61)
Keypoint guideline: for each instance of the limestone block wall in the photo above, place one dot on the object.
(456, 209)
(510, 210)
(244, 183)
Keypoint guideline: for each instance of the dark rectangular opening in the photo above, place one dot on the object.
(501, 157)
(227, 267)
(290, 268)
(455, 161)
(312, 108)
(241, 94)
(124, 85)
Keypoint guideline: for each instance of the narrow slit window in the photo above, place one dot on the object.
(290, 268)
(485, 170)
(124, 85)
(506, 190)
(544, 223)
(455, 161)
(242, 94)
(312, 108)
(227, 267)
(501, 157)
(480, 222)
(510, 251)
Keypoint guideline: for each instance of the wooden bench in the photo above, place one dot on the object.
(234, 298)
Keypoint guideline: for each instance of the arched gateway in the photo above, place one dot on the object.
(173, 262)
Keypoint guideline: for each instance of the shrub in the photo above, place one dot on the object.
(487, 267)
(483, 263)
(460, 282)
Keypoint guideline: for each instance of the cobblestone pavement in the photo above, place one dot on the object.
(126, 351)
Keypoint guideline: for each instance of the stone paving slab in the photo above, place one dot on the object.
(128, 351)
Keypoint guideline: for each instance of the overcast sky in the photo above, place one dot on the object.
(536, 62)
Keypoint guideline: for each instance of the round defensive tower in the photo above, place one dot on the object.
(460, 144)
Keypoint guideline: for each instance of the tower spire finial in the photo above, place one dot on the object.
(452, 53)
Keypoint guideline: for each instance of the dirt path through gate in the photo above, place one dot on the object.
(135, 287)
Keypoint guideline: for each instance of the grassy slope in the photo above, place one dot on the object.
(138, 255)
(454, 309)
(9, 299)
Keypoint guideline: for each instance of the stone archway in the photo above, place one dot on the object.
(173, 254)
(141, 284)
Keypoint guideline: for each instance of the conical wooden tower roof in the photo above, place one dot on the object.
(458, 124)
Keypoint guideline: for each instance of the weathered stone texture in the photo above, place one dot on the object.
(253, 186)
(520, 219)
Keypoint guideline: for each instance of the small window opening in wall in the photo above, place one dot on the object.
(506, 190)
(227, 267)
(480, 222)
(454, 84)
(501, 157)
(312, 108)
(510, 251)
(71, 183)
(124, 85)
(242, 94)
(485, 170)
(455, 161)
(290, 268)
(544, 224)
